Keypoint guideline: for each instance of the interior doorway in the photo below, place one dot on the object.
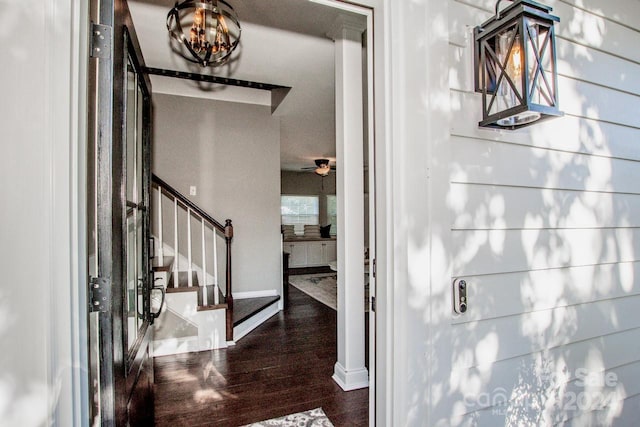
(365, 170)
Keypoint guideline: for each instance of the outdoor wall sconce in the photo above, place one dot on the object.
(515, 66)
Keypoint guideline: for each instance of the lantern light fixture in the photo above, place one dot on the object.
(206, 31)
(515, 66)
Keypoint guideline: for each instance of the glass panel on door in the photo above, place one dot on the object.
(136, 267)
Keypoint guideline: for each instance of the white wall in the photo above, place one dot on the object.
(42, 304)
(231, 153)
(542, 223)
(544, 230)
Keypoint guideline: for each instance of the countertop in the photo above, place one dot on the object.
(309, 239)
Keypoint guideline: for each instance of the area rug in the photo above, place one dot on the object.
(323, 287)
(313, 418)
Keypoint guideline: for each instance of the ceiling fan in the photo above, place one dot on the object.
(322, 167)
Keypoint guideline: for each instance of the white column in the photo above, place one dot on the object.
(350, 372)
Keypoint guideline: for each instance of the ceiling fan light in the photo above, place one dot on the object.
(323, 170)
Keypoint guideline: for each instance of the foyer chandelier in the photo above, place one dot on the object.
(207, 31)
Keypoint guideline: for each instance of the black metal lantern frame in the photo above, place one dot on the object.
(212, 31)
(515, 63)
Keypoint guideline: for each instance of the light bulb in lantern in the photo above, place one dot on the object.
(198, 18)
(515, 64)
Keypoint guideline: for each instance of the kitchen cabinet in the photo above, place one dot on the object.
(310, 253)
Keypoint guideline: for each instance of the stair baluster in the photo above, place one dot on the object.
(176, 244)
(205, 297)
(216, 289)
(189, 257)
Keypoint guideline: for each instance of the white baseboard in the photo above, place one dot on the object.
(250, 324)
(255, 294)
(350, 380)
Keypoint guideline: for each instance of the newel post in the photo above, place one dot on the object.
(228, 236)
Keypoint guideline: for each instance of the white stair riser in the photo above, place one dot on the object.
(210, 324)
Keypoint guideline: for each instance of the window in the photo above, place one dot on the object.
(299, 210)
(332, 213)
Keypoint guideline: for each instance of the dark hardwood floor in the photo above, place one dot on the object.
(282, 367)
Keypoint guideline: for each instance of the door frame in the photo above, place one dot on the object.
(373, 12)
(79, 19)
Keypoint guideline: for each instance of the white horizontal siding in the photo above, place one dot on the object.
(583, 99)
(501, 251)
(574, 62)
(508, 294)
(571, 134)
(498, 163)
(622, 412)
(545, 229)
(505, 337)
(623, 12)
(519, 382)
(581, 26)
(532, 403)
(482, 207)
(592, 65)
(562, 364)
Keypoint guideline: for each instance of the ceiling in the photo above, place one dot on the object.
(283, 42)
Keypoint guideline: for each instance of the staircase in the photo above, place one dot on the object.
(192, 263)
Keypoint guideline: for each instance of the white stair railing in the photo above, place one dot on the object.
(209, 269)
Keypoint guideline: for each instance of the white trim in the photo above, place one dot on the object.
(282, 284)
(245, 95)
(253, 322)
(64, 206)
(377, 12)
(255, 294)
(350, 380)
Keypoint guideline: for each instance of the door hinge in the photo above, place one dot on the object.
(373, 303)
(374, 268)
(100, 41)
(98, 295)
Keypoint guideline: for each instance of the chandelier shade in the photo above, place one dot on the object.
(515, 63)
(207, 31)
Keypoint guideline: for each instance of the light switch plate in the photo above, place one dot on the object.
(193, 191)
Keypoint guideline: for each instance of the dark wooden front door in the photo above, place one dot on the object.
(119, 255)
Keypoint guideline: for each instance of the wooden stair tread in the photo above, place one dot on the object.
(245, 308)
(167, 262)
(183, 282)
(210, 289)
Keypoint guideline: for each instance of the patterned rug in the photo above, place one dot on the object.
(323, 287)
(313, 418)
